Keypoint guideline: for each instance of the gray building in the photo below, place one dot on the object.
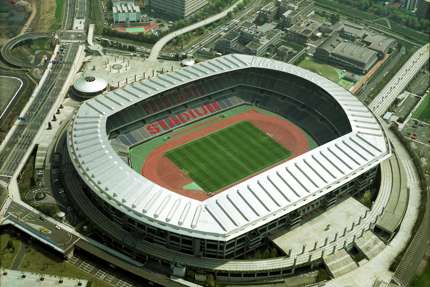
(351, 31)
(294, 11)
(176, 9)
(423, 9)
(410, 4)
(346, 54)
(249, 41)
(125, 11)
(380, 43)
(303, 31)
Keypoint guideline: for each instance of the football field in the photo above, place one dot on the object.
(227, 156)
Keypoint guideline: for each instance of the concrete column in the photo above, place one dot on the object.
(353, 238)
(344, 231)
(294, 265)
(334, 249)
(352, 226)
(315, 245)
(289, 252)
(325, 241)
(303, 249)
(335, 237)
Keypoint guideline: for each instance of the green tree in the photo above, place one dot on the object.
(210, 280)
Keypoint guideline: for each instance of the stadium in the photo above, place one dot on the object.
(209, 160)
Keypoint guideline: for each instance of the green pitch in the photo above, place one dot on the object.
(227, 156)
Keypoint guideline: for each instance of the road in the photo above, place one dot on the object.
(370, 24)
(21, 139)
(398, 83)
(10, 58)
(373, 82)
(155, 51)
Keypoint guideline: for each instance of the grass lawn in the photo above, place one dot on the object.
(7, 253)
(36, 261)
(227, 156)
(139, 152)
(8, 88)
(424, 279)
(423, 111)
(324, 70)
(59, 8)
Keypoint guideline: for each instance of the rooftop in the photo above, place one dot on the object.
(352, 51)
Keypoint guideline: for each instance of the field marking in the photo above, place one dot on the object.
(218, 151)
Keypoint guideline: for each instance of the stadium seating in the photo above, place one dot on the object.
(300, 101)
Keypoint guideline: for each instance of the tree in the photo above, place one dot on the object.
(10, 246)
(258, 254)
(210, 280)
(367, 198)
(273, 253)
(334, 18)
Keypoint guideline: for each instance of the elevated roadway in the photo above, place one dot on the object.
(22, 137)
(398, 83)
(155, 51)
(7, 49)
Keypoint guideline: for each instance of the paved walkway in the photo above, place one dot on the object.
(377, 267)
(18, 257)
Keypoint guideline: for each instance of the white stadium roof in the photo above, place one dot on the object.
(90, 84)
(244, 206)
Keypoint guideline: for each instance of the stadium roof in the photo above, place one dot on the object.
(244, 206)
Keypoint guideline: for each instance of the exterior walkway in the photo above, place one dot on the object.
(377, 267)
(313, 233)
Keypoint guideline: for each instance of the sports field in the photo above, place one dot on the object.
(227, 156)
(422, 113)
(327, 71)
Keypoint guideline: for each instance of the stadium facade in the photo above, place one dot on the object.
(134, 212)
